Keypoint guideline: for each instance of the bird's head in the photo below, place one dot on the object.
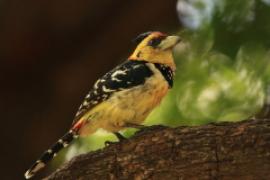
(155, 47)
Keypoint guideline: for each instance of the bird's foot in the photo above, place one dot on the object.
(136, 126)
(119, 136)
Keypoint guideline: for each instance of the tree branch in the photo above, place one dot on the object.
(216, 151)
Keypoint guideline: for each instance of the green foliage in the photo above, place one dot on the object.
(223, 63)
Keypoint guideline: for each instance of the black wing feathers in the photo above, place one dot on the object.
(124, 76)
(130, 74)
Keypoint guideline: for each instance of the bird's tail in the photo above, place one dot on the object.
(51, 153)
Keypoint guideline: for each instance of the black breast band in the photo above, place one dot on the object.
(167, 72)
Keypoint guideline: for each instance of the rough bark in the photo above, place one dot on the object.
(216, 151)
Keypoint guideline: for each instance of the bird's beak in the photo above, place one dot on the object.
(169, 42)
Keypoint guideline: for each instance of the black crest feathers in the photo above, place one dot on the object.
(140, 37)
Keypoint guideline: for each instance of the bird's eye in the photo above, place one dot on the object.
(155, 42)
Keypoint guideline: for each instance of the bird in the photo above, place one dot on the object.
(124, 96)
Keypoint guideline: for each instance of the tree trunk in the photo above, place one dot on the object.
(215, 151)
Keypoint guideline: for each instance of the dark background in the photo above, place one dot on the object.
(51, 53)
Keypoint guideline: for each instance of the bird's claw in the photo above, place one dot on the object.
(119, 136)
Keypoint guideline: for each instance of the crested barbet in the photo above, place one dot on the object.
(124, 96)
